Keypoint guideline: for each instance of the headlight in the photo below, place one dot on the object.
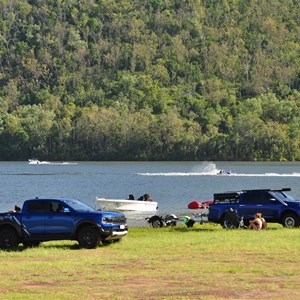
(114, 219)
(107, 220)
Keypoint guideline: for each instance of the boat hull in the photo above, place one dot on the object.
(125, 205)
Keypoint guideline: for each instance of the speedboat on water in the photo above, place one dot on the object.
(125, 205)
(37, 162)
(224, 172)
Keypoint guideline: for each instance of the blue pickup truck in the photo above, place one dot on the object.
(60, 219)
(275, 205)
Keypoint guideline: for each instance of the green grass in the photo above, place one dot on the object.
(203, 262)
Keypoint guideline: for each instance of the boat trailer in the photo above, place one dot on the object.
(172, 220)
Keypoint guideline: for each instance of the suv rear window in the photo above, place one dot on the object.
(226, 198)
(257, 197)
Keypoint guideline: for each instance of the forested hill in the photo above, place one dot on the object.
(150, 79)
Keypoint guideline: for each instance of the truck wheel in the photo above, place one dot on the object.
(88, 237)
(8, 238)
(290, 221)
(156, 222)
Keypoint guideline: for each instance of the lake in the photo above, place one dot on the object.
(172, 184)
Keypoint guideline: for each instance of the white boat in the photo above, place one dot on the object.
(125, 205)
(37, 162)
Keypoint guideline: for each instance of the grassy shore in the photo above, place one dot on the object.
(203, 262)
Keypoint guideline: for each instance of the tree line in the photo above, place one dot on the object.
(150, 80)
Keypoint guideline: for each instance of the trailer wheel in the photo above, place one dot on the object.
(171, 220)
(9, 238)
(156, 222)
(290, 220)
(88, 237)
(226, 224)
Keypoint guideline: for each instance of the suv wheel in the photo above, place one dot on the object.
(88, 237)
(290, 221)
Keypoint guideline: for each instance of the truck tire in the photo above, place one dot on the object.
(290, 220)
(9, 238)
(88, 237)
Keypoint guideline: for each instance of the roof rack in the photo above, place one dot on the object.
(269, 190)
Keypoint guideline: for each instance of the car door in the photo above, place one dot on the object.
(33, 219)
(248, 205)
(270, 207)
(58, 220)
(260, 201)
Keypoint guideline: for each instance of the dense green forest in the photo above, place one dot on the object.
(150, 79)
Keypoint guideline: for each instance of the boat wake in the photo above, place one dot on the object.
(229, 175)
(210, 169)
(37, 162)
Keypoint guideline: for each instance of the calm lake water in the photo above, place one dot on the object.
(172, 184)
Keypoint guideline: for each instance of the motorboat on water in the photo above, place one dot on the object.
(224, 172)
(125, 205)
(37, 162)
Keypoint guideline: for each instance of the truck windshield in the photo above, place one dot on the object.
(79, 206)
(283, 196)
